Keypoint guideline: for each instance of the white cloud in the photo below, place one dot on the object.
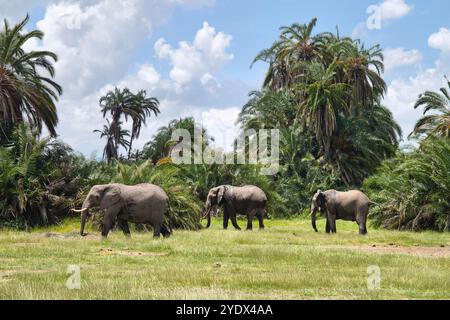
(394, 9)
(147, 73)
(95, 40)
(202, 96)
(220, 123)
(384, 12)
(440, 40)
(207, 53)
(399, 57)
(403, 93)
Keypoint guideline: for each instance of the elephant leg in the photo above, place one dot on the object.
(156, 230)
(333, 226)
(332, 221)
(327, 227)
(109, 219)
(260, 216)
(226, 216)
(249, 223)
(361, 220)
(234, 221)
(250, 217)
(165, 231)
(108, 222)
(123, 224)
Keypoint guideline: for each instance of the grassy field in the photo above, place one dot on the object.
(285, 261)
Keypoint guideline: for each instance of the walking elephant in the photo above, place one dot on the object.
(351, 206)
(142, 203)
(248, 200)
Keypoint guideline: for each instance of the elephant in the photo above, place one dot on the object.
(351, 205)
(142, 203)
(248, 200)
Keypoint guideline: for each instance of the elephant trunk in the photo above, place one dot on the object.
(208, 224)
(84, 217)
(313, 220)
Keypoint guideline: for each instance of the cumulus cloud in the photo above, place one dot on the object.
(207, 53)
(399, 57)
(394, 9)
(440, 40)
(203, 96)
(380, 14)
(94, 40)
(403, 92)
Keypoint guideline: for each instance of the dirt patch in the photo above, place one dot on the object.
(69, 235)
(440, 252)
(130, 253)
(5, 275)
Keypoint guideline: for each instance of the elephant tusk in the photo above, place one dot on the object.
(79, 211)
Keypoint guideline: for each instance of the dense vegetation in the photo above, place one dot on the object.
(322, 91)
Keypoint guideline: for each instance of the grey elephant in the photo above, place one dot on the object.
(248, 200)
(352, 205)
(142, 203)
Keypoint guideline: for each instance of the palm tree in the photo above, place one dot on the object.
(115, 137)
(437, 124)
(26, 94)
(117, 102)
(321, 101)
(268, 109)
(160, 145)
(362, 71)
(295, 46)
(144, 106)
(122, 102)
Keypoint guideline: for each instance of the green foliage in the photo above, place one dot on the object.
(324, 92)
(321, 91)
(26, 94)
(37, 181)
(160, 145)
(413, 189)
(438, 123)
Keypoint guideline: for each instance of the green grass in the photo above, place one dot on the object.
(285, 261)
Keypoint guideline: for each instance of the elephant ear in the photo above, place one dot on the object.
(320, 199)
(111, 196)
(220, 194)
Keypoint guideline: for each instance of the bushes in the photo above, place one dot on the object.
(413, 189)
(37, 181)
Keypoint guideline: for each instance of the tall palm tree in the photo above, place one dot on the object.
(123, 103)
(26, 94)
(115, 137)
(321, 101)
(295, 45)
(362, 69)
(438, 123)
(144, 107)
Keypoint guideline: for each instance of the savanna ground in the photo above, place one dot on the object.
(285, 261)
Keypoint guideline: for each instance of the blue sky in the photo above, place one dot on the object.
(136, 43)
